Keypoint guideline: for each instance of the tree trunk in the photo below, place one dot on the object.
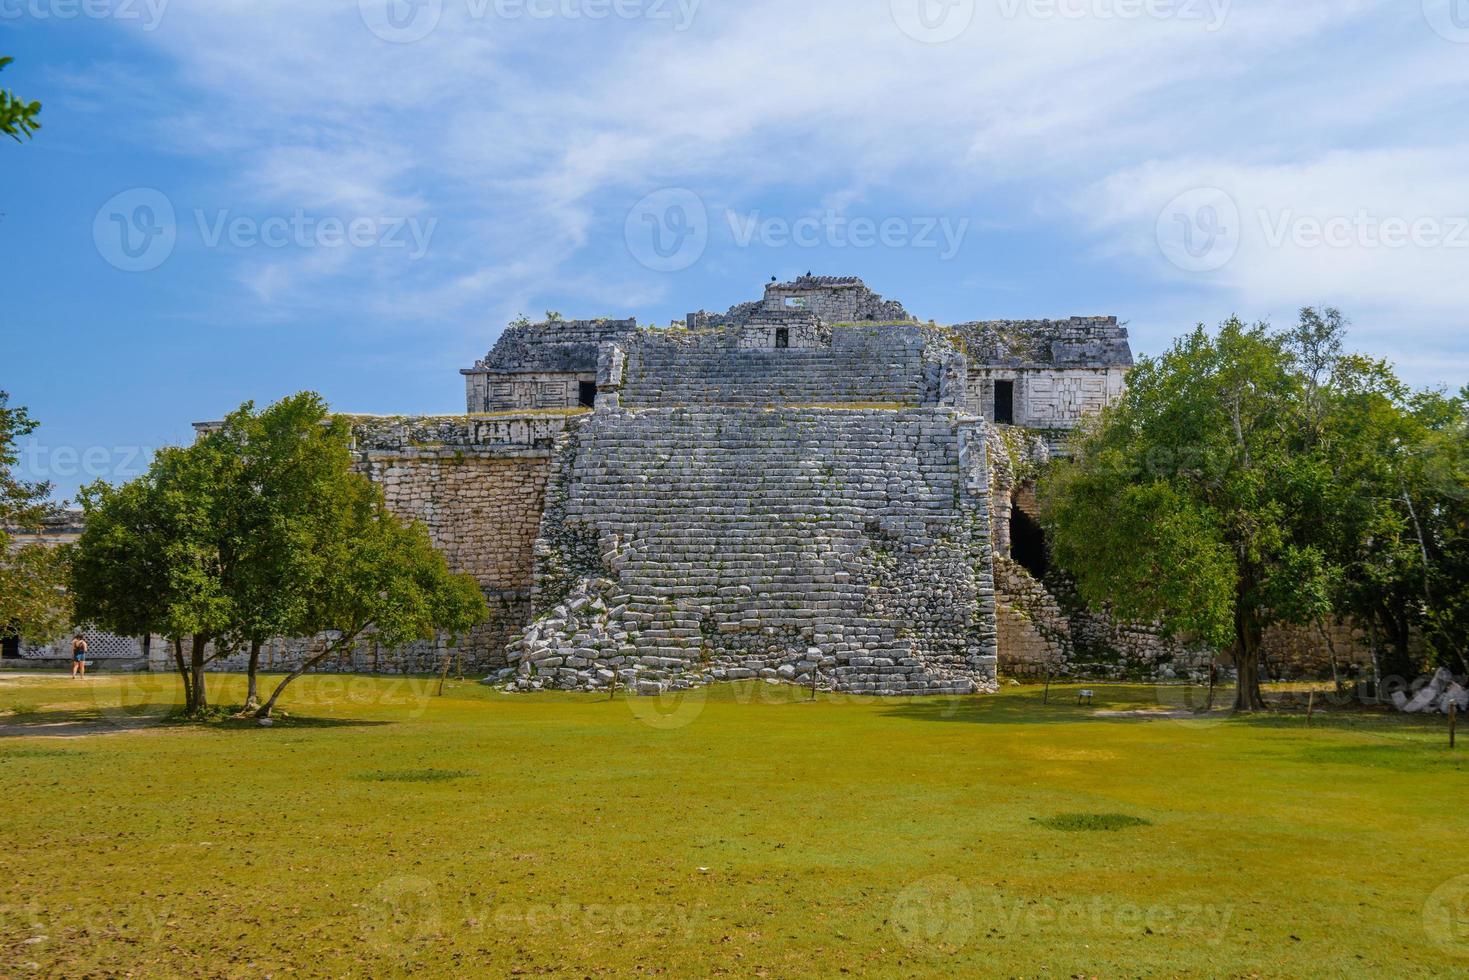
(252, 691)
(178, 657)
(1331, 649)
(269, 706)
(1396, 641)
(196, 670)
(1247, 633)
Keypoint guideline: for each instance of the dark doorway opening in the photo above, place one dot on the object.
(1004, 403)
(587, 394)
(782, 338)
(11, 649)
(1028, 543)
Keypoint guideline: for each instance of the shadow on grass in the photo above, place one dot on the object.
(1143, 704)
(82, 722)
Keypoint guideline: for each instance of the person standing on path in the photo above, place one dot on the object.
(78, 656)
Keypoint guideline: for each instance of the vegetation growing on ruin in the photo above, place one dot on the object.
(381, 830)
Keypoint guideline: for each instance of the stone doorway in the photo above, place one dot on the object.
(1028, 544)
(1004, 403)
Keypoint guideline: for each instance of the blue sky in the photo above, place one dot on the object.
(238, 199)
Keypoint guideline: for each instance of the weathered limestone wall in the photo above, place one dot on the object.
(833, 299)
(1047, 398)
(1035, 634)
(538, 390)
(877, 365)
(541, 365)
(479, 485)
(1302, 652)
(686, 545)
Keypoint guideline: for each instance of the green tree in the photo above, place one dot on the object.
(1380, 512)
(33, 600)
(17, 116)
(285, 466)
(148, 560)
(380, 577)
(262, 528)
(1181, 504)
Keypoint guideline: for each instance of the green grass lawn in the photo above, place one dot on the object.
(380, 829)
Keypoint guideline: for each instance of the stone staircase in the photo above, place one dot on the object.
(696, 544)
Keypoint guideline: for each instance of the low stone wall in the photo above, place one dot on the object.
(681, 546)
(1300, 652)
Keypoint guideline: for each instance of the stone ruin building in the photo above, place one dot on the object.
(814, 483)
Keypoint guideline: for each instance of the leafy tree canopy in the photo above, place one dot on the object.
(33, 600)
(1249, 477)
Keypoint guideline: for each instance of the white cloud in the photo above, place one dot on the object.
(526, 137)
